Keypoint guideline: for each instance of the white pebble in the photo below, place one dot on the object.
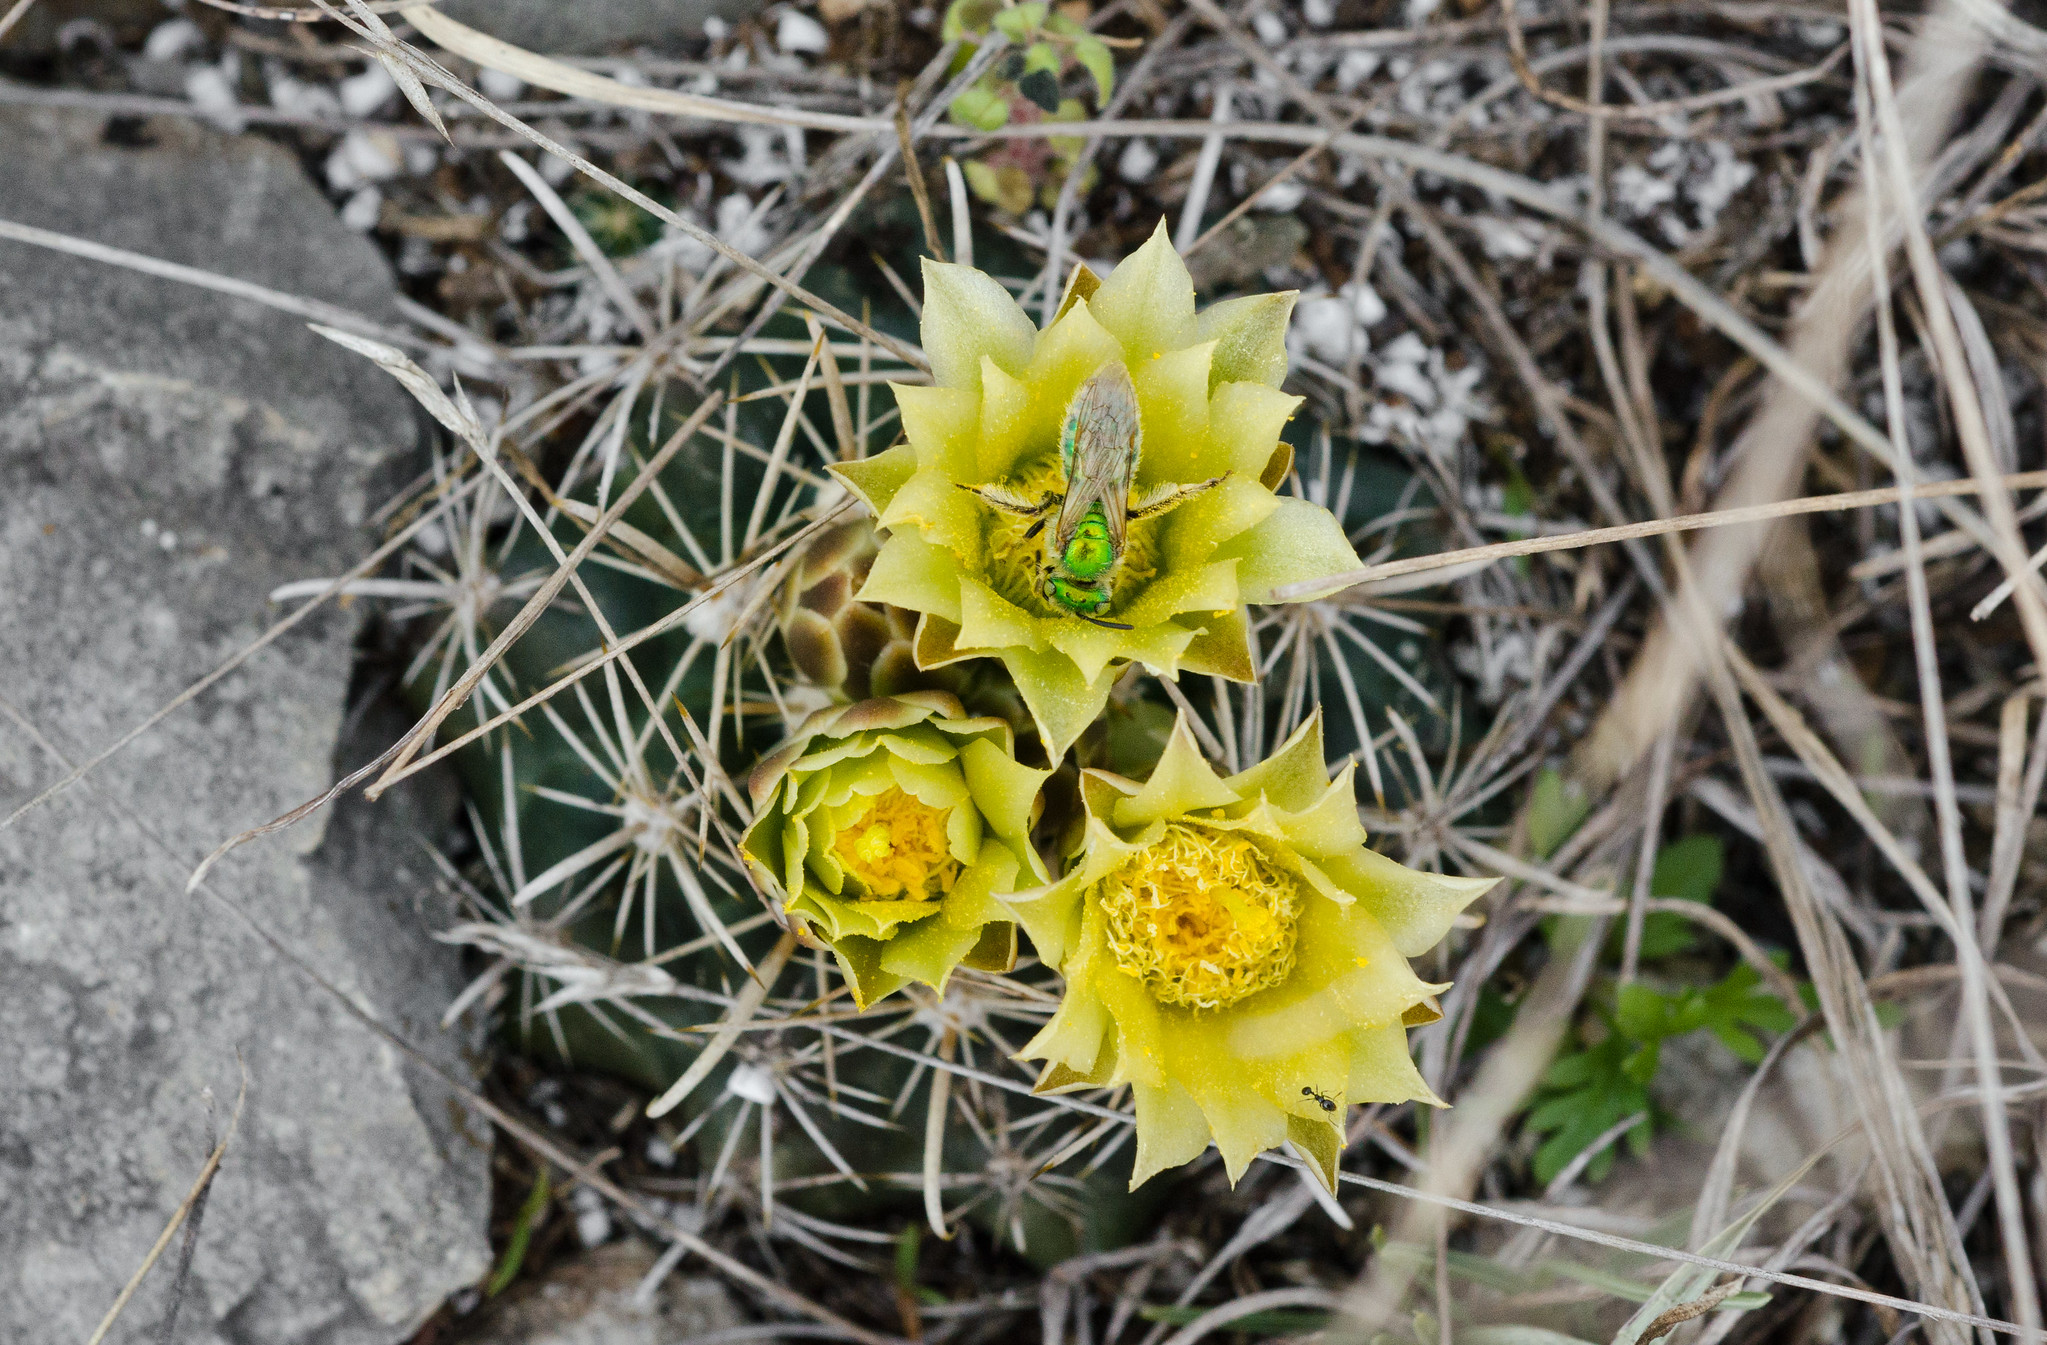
(362, 95)
(169, 41)
(798, 32)
(363, 157)
(1137, 162)
(363, 209)
(211, 92)
(298, 98)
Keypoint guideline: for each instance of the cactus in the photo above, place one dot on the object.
(625, 927)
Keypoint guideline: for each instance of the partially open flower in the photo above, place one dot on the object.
(1097, 493)
(1234, 953)
(891, 827)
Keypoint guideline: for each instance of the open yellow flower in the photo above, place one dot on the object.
(1206, 387)
(891, 827)
(1235, 954)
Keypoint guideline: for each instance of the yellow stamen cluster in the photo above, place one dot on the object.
(1201, 917)
(896, 850)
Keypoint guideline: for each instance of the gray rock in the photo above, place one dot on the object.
(167, 456)
(591, 1300)
(590, 27)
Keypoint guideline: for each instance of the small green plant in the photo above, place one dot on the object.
(1049, 42)
(1025, 85)
(1608, 1078)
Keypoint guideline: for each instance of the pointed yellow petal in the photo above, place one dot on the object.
(1068, 352)
(1297, 543)
(1170, 1131)
(1330, 826)
(1381, 1070)
(1294, 777)
(1245, 422)
(1006, 423)
(1172, 398)
(1003, 787)
(1250, 337)
(968, 315)
(910, 572)
(1415, 908)
(877, 479)
(990, 621)
(1148, 301)
(941, 424)
(1183, 782)
(1061, 701)
(1153, 642)
(860, 961)
(1222, 649)
(1321, 1144)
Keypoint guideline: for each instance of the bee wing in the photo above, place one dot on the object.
(1100, 447)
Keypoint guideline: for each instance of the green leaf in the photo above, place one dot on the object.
(982, 107)
(1041, 87)
(1555, 808)
(1020, 21)
(1095, 58)
(1689, 869)
(968, 16)
(1042, 56)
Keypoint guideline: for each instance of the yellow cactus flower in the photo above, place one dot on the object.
(1175, 524)
(1235, 954)
(891, 827)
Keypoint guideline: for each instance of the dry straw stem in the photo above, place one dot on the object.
(191, 1201)
(1774, 447)
(1467, 559)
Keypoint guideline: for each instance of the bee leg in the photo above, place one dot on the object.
(1097, 621)
(997, 498)
(1171, 497)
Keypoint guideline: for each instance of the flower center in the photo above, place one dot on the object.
(1202, 918)
(896, 850)
(1017, 551)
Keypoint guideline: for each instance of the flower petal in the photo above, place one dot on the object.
(910, 572)
(1154, 641)
(967, 315)
(1183, 782)
(1222, 649)
(1148, 300)
(989, 621)
(1297, 543)
(941, 424)
(1004, 788)
(877, 479)
(1294, 777)
(1171, 1130)
(1415, 908)
(1250, 337)
(1246, 420)
(1062, 702)
(1172, 401)
(1006, 423)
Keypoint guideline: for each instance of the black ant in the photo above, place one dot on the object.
(1326, 1102)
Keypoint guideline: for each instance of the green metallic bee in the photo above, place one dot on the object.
(1099, 444)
